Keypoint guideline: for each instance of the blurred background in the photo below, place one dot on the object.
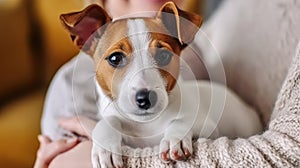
(33, 45)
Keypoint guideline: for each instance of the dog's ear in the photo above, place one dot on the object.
(81, 25)
(181, 24)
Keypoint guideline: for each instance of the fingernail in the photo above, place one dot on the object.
(72, 140)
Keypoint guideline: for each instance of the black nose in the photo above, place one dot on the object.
(145, 99)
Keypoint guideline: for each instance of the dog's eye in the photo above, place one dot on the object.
(117, 60)
(163, 57)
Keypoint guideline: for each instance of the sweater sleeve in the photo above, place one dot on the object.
(71, 93)
(279, 146)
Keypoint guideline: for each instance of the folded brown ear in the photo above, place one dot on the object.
(181, 24)
(83, 24)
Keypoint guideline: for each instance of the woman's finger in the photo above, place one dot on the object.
(49, 150)
(44, 140)
(61, 146)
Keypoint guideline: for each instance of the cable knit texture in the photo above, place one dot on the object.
(279, 146)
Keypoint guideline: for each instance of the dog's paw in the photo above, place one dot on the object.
(175, 149)
(106, 158)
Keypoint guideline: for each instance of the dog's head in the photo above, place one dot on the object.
(137, 59)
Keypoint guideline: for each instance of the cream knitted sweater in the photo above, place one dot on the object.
(279, 146)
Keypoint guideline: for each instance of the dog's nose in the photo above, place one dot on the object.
(145, 99)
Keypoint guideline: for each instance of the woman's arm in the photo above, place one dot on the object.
(279, 146)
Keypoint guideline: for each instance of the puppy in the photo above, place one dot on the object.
(142, 100)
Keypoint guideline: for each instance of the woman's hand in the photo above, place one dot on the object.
(50, 149)
(61, 149)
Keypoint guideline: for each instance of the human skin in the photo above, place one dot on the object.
(121, 8)
(49, 150)
(77, 157)
(62, 153)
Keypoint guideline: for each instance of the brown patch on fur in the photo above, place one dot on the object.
(181, 24)
(81, 25)
(114, 40)
(163, 40)
(169, 72)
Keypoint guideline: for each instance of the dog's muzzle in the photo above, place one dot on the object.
(145, 99)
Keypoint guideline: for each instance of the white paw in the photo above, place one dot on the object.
(106, 158)
(175, 149)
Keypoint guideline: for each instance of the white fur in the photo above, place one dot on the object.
(142, 74)
(193, 109)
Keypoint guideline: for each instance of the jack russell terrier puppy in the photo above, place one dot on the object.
(142, 101)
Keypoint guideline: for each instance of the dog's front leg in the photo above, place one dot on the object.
(106, 150)
(177, 142)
